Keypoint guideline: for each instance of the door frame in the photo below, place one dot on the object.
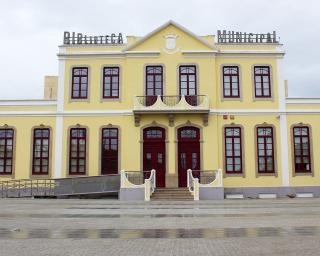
(100, 145)
(155, 124)
(188, 123)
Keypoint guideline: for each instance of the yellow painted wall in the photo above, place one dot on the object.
(132, 83)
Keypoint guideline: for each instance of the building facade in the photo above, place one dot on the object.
(168, 101)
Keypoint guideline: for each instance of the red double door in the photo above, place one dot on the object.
(154, 154)
(188, 153)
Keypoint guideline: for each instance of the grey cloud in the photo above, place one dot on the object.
(30, 32)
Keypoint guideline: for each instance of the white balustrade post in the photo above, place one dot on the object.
(196, 189)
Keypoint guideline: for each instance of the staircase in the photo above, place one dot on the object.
(172, 194)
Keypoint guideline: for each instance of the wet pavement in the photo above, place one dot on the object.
(110, 227)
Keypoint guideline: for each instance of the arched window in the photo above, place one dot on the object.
(188, 133)
(154, 133)
(41, 147)
(77, 151)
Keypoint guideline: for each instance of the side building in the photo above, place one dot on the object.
(169, 101)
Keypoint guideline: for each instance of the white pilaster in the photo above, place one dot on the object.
(284, 143)
(59, 120)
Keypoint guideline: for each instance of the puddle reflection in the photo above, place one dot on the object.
(209, 233)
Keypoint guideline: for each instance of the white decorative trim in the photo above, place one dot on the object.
(129, 112)
(251, 52)
(303, 101)
(57, 172)
(28, 103)
(284, 149)
(61, 83)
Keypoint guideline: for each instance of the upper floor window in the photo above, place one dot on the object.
(262, 82)
(6, 151)
(77, 151)
(154, 80)
(231, 82)
(40, 161)
(79, 83)
(233, 150)
(109, 152)
(110, 82)
(265, 149)
(302, 156)
(188, 80)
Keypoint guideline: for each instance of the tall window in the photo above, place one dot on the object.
(109, 157)
(231, 82)
(79, 83)
(302, 156)
(154, 83)
(110, 82)
(77, 153)
(154, 80)
(233, 151)
(265, 149)
(187, 78)
(41, 141)
(262, 82)
(6, 151)
(188, 84)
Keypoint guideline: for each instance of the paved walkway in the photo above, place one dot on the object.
(110, 227)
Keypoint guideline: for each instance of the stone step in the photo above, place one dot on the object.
(169, 196)
(171, 192)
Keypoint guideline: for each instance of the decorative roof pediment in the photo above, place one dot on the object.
(170, 38)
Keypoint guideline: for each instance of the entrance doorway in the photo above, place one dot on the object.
(154, 154)
(188, 152)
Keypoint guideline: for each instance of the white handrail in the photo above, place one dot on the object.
(150, 185)
(193, 185)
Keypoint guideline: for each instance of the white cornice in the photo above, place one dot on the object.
(303, 101)
(273, 52)
(28, 102)
(129, 112)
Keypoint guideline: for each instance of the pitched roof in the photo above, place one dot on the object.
(173, 23)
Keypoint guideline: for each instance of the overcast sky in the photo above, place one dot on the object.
(31, 30)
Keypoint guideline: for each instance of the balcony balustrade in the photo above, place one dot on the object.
(171, 104)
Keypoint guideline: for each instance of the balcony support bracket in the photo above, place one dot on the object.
(205, 119)
(137, 120)
(171, 120)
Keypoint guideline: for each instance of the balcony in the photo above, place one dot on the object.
(176, 104)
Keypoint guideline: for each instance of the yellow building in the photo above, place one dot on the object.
(168, 101)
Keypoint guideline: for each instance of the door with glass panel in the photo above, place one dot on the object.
(109, 151)
(188, 153)
(154, 154)
(154, 84)
(188, 84)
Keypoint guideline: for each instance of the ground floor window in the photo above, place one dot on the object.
(109, 151)
(40, 160)
(302, 156)
(233, 151)
(6, 151)
(77, 152)
(265, 149)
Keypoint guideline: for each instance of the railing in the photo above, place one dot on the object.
(193, 185)
(135, 179)
(150, 185)
(27, 188)
(197, 179)
(171, 103)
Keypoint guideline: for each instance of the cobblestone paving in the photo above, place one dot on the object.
(109, 227)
